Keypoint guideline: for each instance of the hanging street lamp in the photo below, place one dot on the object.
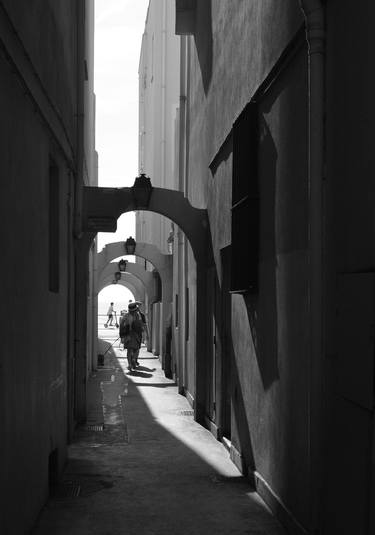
(122, 265)
(130, 245)
(117, 276)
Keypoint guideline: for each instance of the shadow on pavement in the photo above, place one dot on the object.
(158, 385)
(137, 373)
(145, 369)
(151, 470)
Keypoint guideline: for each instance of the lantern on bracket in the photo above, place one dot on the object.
(130, 245)
(141, 191)
(122, 265)
(117, 276)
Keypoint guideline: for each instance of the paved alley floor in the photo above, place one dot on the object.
(150, 469)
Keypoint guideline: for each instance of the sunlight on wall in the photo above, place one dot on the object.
(119, 26)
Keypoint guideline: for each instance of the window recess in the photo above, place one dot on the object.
(245, 202)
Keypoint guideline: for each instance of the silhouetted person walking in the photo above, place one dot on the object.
(110, 313)
(131, 329)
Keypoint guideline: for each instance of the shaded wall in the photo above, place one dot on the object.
(264, 348)
(259, 373)
(53, 23)
(38, 138)
(350, 268)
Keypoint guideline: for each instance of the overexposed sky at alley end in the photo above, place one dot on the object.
(119, 25)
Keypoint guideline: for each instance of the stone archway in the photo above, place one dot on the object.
(134, 286)
(132, 269)
(143, 288)
(103, 206)
(100, 211)
(131, 283)
(163, 264)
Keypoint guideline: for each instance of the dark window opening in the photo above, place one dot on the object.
(53, 228)
(245, 202)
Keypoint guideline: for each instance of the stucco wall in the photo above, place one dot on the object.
(35, 322)
(48, 31)
(234, 48)
(158, 103)
(350, 196)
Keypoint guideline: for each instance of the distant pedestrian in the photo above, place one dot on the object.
(131, 329)
(145, 328)
(110, 314)
(122, 328)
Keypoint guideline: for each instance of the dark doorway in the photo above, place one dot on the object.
(226, 360)
(53, 471)
(212, 349)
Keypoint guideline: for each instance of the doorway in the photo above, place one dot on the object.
(226, 360)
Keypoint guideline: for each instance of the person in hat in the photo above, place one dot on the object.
(145, 328)
(131, 329)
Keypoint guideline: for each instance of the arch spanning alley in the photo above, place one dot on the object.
(162, 262)
(134, 286)
(101, 208)
(146, 277)
(142, 292)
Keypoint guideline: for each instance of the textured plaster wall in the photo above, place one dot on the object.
(350, 197)
(234, 48)
(280, 317)
(191, 343)
(34, 350)
(159, 100)
(51, 22)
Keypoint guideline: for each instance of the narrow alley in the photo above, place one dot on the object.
(149, 468)
(194, 178)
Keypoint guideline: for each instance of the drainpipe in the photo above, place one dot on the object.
(164, 170)
(94, 325)
(164, 52)
(80, 323)
(182, 121)
(313, 11)
(79, 182)
(181, 247)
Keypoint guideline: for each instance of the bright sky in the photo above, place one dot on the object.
(119, 25)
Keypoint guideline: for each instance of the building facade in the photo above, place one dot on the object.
(47, 153)
(158, 117)
(269, 142)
